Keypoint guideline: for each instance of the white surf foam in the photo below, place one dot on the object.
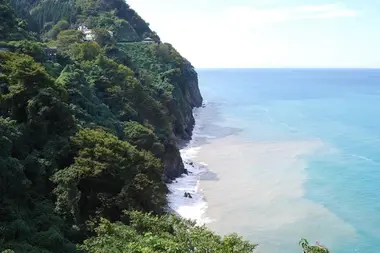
(190, 208)
(363, 158)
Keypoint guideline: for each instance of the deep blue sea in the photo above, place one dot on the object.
(339, 107)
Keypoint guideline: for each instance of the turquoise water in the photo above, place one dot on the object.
(340, 107)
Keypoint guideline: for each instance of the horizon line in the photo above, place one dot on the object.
(305, 68)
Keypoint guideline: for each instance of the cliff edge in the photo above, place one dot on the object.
(92, 107)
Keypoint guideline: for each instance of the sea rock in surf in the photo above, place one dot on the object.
(167, 180)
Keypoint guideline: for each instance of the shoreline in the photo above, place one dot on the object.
(195, 207)
(260, 193)
(270, 173)
(206, 118)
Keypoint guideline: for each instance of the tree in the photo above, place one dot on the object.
(10, 26)
(86, 5)
(86, 107)
(31, 48)
(13, 182)
(66, 39)
(108, 176)
(27, 223)
(48, 114)
(86, 51)
(103, 37)
(121, 29)
(24, 79)
(148, 233)
(142, 137)
(312, 249)
(51, 11)
(57, 28)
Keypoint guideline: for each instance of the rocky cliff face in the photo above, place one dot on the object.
(179, 82)
(92, 131)
(192, 98)
(170, 74)
(173, 162)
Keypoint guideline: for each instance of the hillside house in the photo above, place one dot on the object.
(89, 34)
(148, 40)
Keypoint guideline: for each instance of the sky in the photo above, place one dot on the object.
(268, 33)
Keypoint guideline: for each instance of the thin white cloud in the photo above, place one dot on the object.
(325, 11)
(336, 14)
(316, 8)
(251, 35)
(256, 16)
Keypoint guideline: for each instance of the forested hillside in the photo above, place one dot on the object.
(89, 132)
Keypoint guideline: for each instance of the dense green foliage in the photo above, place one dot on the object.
(307, 248)
(50, 16)
(148, 233)
(57, 28)
(143, 137)
(11, 27)
(66, 40)
(167, 80)
(88, 136)
(82, 137)
(107, 177)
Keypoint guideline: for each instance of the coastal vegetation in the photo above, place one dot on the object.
(89, 133)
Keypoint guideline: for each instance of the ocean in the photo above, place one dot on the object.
(283, 154)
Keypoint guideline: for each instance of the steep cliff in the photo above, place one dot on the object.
(161, 62)
(89, 125)
(178, 90)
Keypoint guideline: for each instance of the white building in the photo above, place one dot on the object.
(148, 40)
(88, 34)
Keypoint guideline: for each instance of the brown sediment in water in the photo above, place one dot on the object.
(257, 190)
